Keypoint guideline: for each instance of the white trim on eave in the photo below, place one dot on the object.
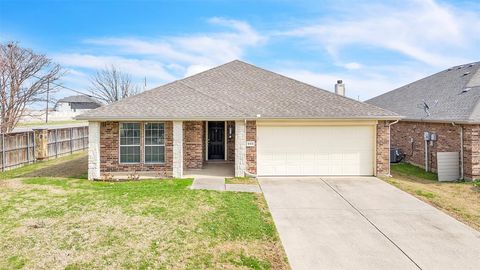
(104, 119)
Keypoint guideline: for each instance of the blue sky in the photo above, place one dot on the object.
(374, 46)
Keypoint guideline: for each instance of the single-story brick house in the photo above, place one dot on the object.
(261, 122)
(446, 104)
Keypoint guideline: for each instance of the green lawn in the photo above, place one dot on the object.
(72, 223)
(458, 199)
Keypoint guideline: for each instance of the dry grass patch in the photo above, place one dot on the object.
(241, 180)
(61, 223)
(458, 199)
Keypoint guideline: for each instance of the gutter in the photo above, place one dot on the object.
(100, 119)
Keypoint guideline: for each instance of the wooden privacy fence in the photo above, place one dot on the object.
(20, 148)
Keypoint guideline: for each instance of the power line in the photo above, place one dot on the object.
(65, 87)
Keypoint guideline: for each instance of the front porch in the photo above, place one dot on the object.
(212, 177)
(209, 149)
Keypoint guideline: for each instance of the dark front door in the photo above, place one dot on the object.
(216, 140)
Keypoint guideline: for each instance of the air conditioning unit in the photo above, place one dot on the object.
(396, 155)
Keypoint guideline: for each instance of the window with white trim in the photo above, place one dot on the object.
(129, 142)
(154, 143)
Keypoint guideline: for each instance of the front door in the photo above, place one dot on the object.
(216, 140)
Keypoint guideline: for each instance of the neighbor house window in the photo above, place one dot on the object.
(154, 143)
(129, 142)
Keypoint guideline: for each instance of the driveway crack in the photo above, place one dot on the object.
(371, 223)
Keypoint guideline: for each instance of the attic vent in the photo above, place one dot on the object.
(465, 90)
(471, 65)
(459, 67)
(449, 69)
(466, 73)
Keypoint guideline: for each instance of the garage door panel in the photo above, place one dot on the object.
(315, 150)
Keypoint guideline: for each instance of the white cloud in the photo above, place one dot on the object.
(196, 49)
(194, 69)
(169, 57)
(363, 85)
(352, 65)
(425, 30)
(136, 67)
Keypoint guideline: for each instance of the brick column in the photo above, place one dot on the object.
(240, 148)
(93, 150)
(471, 152)
(383, 149)
(177, 165)
(251, 152)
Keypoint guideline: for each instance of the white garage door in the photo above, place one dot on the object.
(315, 150)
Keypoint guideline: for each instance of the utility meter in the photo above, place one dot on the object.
(427, 136)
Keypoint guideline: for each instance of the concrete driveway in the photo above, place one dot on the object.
(365, 223)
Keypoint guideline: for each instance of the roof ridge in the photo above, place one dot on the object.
(214, 98)
(310, 85)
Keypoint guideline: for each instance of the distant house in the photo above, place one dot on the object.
(77, 104)
(446, 104)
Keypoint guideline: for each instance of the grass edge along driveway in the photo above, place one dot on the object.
(458, 199)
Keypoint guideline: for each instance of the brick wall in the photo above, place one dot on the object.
(471, 154)
(383, 149)
(448, 140)
(251, 134)
(109, 152)
(231, 142)
(193, 144)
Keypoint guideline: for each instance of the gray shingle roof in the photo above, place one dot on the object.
(444, 92)
(237, 90)
(79, 98)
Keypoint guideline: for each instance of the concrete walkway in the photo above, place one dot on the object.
(212, 177)
(365, 223)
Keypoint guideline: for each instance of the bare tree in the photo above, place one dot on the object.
(110, 85)
(24, 78)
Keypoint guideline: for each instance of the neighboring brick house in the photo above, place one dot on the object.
(260, 122)
(446, 104)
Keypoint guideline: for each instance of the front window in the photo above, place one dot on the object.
(129, 142)
(154, 143)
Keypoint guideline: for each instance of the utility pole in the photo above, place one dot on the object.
(48, 90)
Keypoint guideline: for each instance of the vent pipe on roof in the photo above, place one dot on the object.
(340, 88)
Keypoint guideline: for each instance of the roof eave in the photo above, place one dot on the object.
(456, 121)
(108, 118)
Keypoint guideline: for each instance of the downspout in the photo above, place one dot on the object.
(390, 147)
(461, 152)
(426, 155)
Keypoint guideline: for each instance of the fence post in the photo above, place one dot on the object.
(34, 155)
(85, 129)
(3, 152)
(56, 143)
(28, 147)
(71, 140)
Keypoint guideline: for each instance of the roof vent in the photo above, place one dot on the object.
(340, 88)
(459, 67)
(471, 65)
(466, 73)
(449, 69)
